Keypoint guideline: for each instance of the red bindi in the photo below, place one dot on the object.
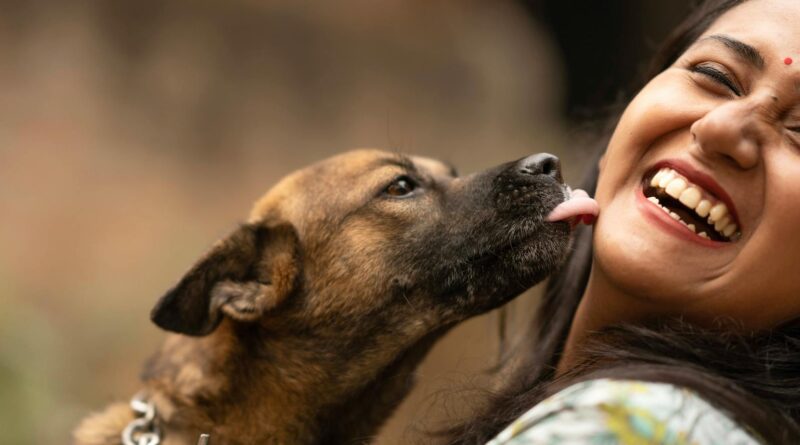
(788, 61)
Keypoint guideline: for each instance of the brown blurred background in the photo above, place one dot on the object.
(133, 133)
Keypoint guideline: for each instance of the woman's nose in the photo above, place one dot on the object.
(732, 130)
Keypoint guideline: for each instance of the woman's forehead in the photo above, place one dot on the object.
(769, 25)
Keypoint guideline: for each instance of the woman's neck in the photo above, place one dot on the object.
(602, 305)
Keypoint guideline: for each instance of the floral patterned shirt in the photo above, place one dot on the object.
(606, 411)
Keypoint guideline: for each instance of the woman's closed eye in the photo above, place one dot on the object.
(718, 74)
(794, 133)
(791, 123)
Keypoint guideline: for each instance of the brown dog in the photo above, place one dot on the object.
(304, 326)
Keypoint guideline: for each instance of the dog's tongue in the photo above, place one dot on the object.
(579, 206)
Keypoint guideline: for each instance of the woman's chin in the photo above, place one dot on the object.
(649, 261)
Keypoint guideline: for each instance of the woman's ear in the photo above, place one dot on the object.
(243, 276)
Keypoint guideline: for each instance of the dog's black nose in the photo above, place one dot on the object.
(541, 164)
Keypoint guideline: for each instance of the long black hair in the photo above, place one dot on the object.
(754, 377)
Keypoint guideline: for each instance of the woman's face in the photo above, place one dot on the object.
(723, 123)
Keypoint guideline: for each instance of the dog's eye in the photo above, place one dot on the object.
(400, 187)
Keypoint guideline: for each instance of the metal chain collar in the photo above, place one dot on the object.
(142, 430)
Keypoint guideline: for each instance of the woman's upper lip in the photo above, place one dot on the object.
(703, 180)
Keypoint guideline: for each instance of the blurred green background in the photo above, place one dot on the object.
(135, 133)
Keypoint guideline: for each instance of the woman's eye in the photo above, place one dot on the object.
(402, 186)
(718, 75)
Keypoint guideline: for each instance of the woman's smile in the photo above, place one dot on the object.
(693, 200)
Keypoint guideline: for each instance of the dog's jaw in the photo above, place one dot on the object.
(358, 419)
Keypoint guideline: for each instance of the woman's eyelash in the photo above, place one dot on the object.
(717, 75)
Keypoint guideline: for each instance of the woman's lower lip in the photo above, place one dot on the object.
(663, 221)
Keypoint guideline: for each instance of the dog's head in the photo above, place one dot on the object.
(368, 233)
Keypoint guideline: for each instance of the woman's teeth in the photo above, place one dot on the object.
(695, 199)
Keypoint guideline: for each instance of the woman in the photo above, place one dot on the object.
(666, 303)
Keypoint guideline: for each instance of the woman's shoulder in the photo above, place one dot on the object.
(607, 411)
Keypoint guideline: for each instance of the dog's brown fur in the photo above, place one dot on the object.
(304, 326)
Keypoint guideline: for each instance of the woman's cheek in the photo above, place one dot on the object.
(664, 109)
(779, 224)
(664, 106)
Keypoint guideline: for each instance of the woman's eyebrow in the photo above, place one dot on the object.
(743, 50)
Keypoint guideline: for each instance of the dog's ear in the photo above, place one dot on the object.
(243, 276)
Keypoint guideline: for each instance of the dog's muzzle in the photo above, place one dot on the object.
(524, 183)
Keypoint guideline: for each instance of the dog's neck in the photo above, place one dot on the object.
(279, 388)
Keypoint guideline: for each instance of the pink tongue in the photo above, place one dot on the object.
(579, 204)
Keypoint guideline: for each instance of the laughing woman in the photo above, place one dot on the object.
(678, 319)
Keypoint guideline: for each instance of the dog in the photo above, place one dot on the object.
(305, 324)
